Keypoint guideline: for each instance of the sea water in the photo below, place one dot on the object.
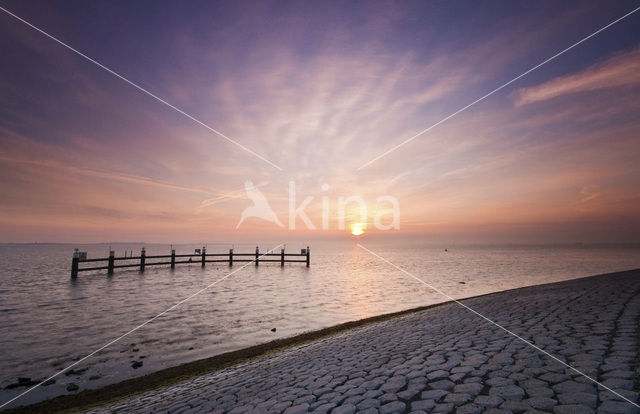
(48, 321)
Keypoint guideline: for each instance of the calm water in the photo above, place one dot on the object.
(48, 321)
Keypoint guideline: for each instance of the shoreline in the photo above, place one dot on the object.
(95, 398)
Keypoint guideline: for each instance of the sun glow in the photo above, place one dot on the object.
(357, 229)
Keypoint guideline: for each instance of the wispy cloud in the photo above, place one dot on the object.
(589, 192)
(113, 176)
(215, 200)
(618, 71)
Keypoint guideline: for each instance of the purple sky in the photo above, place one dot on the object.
(319, 89)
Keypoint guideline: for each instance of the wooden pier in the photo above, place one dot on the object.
(111, 263)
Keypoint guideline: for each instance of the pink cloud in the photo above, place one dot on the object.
(620, 70)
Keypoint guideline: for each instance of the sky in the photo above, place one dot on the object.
(319, 89)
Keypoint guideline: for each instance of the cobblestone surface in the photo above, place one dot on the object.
(445, 359)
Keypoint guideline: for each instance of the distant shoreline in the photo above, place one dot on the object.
(94, 398)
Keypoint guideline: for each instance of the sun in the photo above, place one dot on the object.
(357, 229)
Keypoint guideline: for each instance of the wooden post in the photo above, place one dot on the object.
(111, 264)
(257, 255)
(173, 258)
(308, 254)
(142, 257)
(74, 264)
(281, 257)
(204, 253)
(230, 257)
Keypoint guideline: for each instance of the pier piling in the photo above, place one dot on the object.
(74, 265)
(257, 256)
(142, 259)
(173, 258)
(204, 253)
(308, 256)
(230, 257)
(281, 257)
(111, 262)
